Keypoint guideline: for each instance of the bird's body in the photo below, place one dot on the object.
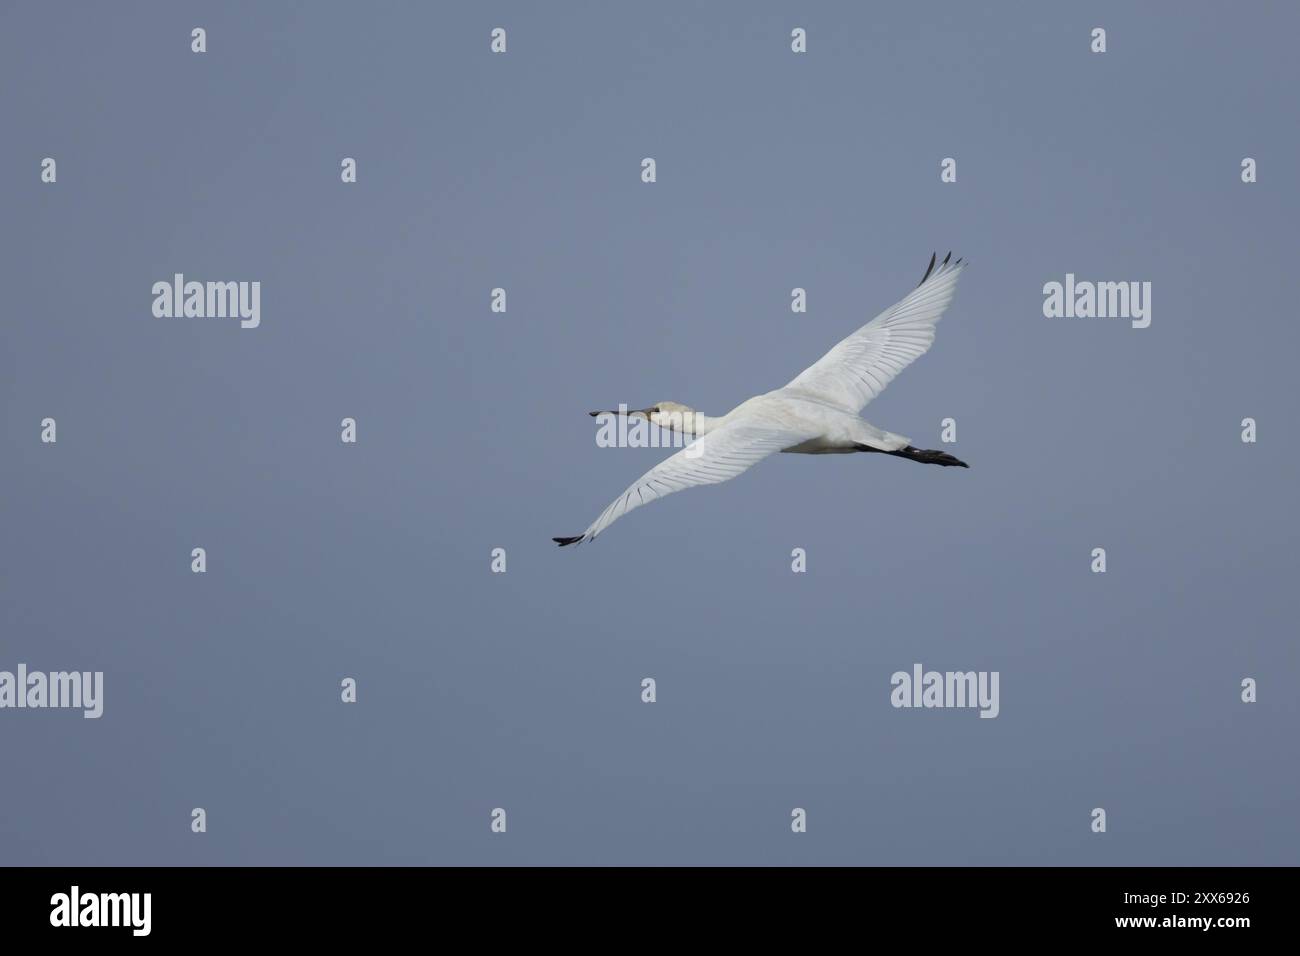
(817, 413)
(834, 430)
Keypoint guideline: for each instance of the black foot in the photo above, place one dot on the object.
(924, 456)
(930, 457)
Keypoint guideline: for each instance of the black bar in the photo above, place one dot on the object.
(379, 904)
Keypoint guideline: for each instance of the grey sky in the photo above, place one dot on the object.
(521, 690)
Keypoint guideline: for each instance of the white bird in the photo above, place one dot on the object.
(815, 414)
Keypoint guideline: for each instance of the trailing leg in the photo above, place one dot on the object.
(923, 455)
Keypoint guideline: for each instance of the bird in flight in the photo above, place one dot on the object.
(815, 414)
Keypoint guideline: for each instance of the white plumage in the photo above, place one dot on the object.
(816, 413)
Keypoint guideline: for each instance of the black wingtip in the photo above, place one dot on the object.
(565, 541)
(947, 257)
(593, 415)
(934, 256)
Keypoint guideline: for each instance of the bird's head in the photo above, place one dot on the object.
(673, 416)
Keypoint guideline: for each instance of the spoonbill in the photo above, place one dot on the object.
(815, 414)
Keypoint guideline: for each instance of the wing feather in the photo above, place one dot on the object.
(716, 457)
(857, 369)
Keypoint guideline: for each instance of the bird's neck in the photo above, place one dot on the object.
(703, 424)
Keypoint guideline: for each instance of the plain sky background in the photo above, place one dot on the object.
(522, 690)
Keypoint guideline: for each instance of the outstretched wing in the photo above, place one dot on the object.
(717, 456)
(859, 368)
